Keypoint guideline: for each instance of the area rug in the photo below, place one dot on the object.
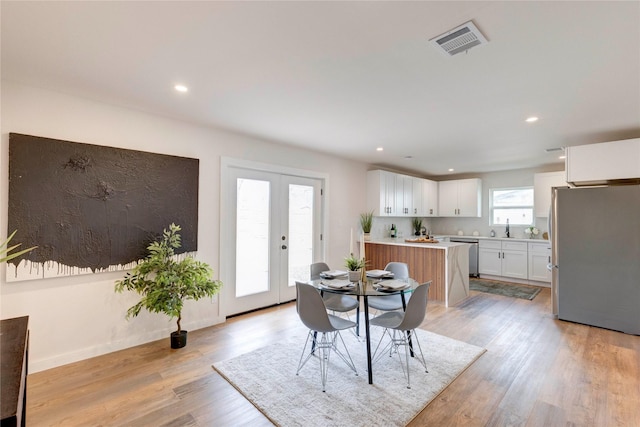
(504, 288)
(267, 378)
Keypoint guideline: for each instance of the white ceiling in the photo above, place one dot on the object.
(347, 77)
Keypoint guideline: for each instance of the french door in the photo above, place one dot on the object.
(273, 233)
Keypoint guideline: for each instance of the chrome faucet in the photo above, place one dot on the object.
(507, 230)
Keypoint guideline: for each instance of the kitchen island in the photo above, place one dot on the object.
(445, 264)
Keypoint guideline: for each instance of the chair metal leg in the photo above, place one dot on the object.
(408, 340)
(301, 363)
(323, 346)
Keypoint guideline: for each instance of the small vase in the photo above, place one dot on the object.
(354, 276)
(367, 237)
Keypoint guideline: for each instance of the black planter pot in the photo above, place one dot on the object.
(178, 340)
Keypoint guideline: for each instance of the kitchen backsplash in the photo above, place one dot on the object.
(450, 226)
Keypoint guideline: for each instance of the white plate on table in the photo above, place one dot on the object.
(391, 285)
(339, 285)
(332, 274)
(378, 274)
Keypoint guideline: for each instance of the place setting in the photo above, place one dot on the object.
(333, 274)
(391, 285)
(338, 284)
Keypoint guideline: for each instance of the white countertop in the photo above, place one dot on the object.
(511, 239)
(400, 242)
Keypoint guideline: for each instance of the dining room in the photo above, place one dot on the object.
(291, 106)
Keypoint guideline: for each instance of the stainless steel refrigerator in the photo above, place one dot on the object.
(595, 256)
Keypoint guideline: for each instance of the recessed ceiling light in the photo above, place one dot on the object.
(379, 149)
(531, 119)
(181, 88)
(451, 169)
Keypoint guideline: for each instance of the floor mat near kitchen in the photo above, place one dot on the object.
(504, 288)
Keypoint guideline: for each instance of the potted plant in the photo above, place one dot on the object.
(366, 221)
(531, 231)
(354, 266)
(417, 226)
(165, 282)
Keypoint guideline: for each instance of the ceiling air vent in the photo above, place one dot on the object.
(460, 39)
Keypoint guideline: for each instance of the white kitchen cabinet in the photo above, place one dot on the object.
(429, 198)
(503, 258)
(392, 194)
(381, 193)
(542, 185)
(600, 163)
(490, 257)
(539, 258)
(404, 195)
(418, 190)
(460, 198)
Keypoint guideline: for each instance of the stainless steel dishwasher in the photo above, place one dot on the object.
(473, 253)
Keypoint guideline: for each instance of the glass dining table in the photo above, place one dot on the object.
(378, 287)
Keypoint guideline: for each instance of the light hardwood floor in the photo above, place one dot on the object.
(537, 371)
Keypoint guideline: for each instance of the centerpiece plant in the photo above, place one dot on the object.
(165, 282)
(354, 266)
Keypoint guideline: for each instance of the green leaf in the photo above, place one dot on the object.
(5, 249)
(164, 283)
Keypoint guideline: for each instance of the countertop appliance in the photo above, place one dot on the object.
(473, 253)
(595, 256)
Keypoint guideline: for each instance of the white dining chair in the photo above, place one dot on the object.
(400, 271)
(324, 331)
(334, 302)
(400, 327)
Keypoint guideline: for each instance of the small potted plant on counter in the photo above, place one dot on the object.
(417, 226)
(354, 266)
(366, 221)
(165, 282)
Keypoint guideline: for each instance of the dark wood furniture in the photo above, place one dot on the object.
(14, 358)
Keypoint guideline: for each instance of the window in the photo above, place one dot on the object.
(513, 204)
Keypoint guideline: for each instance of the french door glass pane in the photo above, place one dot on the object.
(300, 232)
(252, 236)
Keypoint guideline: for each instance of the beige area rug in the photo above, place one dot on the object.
(267, 378)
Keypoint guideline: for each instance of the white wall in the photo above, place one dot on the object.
(78, 317)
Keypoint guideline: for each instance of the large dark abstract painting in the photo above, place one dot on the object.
(92, 208)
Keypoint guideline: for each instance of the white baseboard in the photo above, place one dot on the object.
(110, 347)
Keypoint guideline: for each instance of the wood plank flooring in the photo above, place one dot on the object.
(537, 371)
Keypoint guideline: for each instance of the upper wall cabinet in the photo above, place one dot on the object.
(542, 185)
(391, 194)
(429, 198)
(381, 193)
(404, 195)
(460, 198)
(602, 163)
